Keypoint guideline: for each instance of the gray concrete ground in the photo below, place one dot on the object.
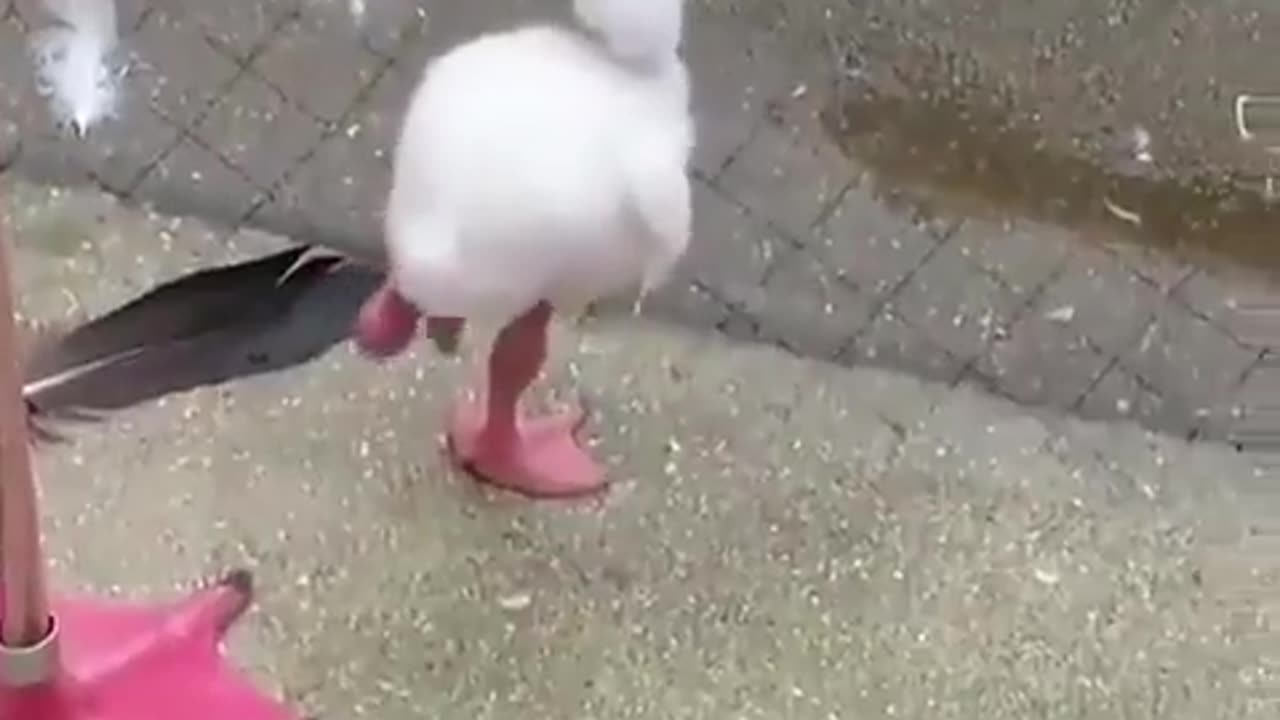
(784, 537)
(843, 146)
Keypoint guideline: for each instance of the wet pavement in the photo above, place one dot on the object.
(1003, 198)
(784, 537)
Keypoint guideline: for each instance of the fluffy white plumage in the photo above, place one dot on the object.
(357, 9)
(73, 61)
(545, 164)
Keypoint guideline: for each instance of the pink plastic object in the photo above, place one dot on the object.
(106, 661)
(89, 660)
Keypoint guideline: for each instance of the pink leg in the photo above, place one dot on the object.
(538, 457)
(387, 323)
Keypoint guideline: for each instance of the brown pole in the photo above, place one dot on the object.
(24, 617)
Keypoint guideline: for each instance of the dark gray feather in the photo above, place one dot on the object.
(204, 328)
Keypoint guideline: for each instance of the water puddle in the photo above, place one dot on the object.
(966, 160)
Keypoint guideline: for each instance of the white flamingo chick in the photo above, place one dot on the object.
(536, 170)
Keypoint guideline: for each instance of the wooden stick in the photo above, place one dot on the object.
(24, 616)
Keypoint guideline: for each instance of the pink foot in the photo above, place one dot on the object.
(545, 461)
(146, 662)
(387, 324)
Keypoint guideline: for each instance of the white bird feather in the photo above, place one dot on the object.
(72, 62)
(357, 9)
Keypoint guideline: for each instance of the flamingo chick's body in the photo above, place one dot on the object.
(536, 169)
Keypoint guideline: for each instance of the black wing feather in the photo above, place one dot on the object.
(204, 328)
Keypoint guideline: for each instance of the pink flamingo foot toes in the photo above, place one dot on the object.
(146, 662)
(545, 461)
